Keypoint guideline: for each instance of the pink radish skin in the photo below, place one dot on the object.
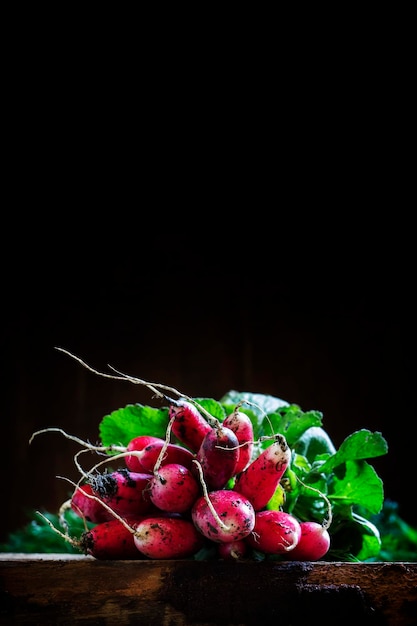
(189, 426)
(275, 532)
(234, 511)
(173, 488)
(242, 426)
(110, 540)
(167, 538)
(88, 508)
(125, 492)
(314, 543)
(233, 550)
(261, 477)
(173, 454)
(218, 456)
(136, 445)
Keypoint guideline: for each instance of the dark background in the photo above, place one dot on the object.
(324, 321)
(199, 230)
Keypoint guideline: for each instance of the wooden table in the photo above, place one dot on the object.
(63, 589)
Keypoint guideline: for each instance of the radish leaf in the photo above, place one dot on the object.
(120, 426)
(213, 407)
(291, 422)
(359, 485)
(362, 444)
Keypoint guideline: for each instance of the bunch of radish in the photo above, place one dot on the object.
(250, 476)
(203, 487)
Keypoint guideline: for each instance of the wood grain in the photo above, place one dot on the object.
(60, 590)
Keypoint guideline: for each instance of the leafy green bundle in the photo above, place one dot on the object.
(317, 471)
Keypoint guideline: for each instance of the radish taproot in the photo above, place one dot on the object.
(173, 488)
(275, 532)
(125, 492)
(261, 477)
(161, 537)
(223, 515)
(242, 426)
(313, 544)
(218, 456)
(188, 425)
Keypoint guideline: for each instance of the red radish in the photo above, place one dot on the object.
(242, 426)
(275, 532)
(223, 516)
(87, 507)
(218, 456)
(167, 538)
(110, 540)
(314, 543)
(261, 477)
(173, 488)
(188, 425)
(136, 445)
(123, 491)
(173, 453)
(233, 550)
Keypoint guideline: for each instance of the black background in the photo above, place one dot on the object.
(206, 230)
(324, 321)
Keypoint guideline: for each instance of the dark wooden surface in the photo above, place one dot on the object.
(60, 590)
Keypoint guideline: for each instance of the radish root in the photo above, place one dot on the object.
(207, 498)
(327, 521)
(164, 447)
(88, 446)
(154, 387)
(74, 542)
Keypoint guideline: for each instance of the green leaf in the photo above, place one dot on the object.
(398, 537)
(257, 406)
(38, 536)
(314, 442)
(371, 546)
(371, 539)
(259, 403)
(213, 407)
(359, 485)
(291, 422)
(353, 538)
(278, 499)
(120, 426)
(362, 444)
